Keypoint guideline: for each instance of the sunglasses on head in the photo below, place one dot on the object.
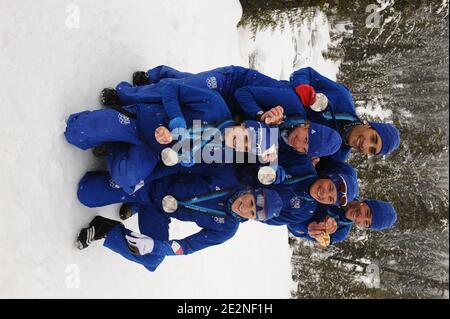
(342, 189)
(260, 211)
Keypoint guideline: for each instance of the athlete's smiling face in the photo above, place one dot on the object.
(245, 206)
(324, 191)
(359, 213)
(298, 138)
(364, 139)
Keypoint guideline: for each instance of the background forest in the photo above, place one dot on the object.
(400, 66)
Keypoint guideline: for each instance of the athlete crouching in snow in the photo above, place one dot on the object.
(331, 224)
(302, 194)
(249, 94)
(134, 146)
(338, 112)
(217, 202)
(325, 102)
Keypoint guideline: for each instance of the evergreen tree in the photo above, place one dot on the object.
(401, 66)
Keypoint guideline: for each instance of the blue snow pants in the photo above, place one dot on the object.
(96, 189)
(166, 72)
(130, 160)
(218, 80)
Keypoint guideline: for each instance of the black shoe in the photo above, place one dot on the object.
(140, 78)
(100, 151)
(126, 211)
(109, 97)
(98, 228)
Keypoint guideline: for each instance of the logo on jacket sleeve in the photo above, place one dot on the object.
(113, 184)
(211, 82)
(123, 119)
(219, 220)
(295, 202)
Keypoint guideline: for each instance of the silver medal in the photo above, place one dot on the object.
(169, 157)
(169, 204)
(267, 175)
(321, 103)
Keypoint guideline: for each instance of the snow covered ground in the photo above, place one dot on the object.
(53, 64)
(287, 48)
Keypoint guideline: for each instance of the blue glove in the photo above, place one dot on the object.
(177, 122)
(281, 175)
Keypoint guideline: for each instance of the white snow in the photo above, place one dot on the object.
(374, 110)
(51, 68)
(285, 49)
(444, 6)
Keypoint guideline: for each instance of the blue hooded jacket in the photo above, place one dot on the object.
(193, 103)
(245, 91)
(214, 230)
(298, 203)
(340, 99)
